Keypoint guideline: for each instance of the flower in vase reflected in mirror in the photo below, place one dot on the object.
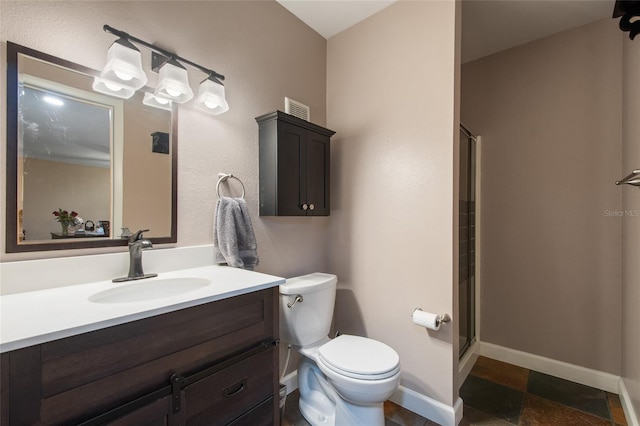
(65, 219)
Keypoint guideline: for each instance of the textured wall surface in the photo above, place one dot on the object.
(391, 98)
(266, 54)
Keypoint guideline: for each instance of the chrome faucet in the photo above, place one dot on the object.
(136, 244)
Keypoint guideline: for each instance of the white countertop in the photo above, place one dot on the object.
(36, 317)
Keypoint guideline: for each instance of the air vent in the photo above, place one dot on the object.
(297, 109)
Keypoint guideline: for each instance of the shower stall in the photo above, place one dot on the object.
(467, 240)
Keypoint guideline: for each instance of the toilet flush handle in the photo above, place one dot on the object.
(296, 300)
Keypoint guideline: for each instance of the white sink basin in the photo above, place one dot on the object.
(147, 290)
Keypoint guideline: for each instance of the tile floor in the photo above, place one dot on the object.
(500, 394)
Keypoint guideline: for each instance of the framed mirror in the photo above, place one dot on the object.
(83, 168)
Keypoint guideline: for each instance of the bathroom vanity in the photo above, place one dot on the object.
(205, 357)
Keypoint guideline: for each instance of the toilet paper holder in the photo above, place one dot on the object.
(439, 319)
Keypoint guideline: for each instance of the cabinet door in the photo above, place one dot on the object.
(291, 185)
(317, 174)
(157, 413)
(303, 172)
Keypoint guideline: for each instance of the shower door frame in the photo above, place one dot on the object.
(467, 351)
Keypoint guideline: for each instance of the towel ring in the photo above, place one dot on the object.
(223, 177)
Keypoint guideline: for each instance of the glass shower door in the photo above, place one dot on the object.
(467, 241)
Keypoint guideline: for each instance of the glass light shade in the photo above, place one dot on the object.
(173, 83)
(112, 89)
(151, 100)
(124, 66)
(211, 98)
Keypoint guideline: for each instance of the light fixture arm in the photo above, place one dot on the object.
(161, 51)
(213, 77)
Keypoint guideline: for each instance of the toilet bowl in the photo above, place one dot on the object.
(342, 381)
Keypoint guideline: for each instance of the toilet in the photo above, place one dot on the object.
(342, 381)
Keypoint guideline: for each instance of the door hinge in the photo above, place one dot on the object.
(176, 388)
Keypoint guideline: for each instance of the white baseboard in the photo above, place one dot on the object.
(409, 399)
(433, 410)
(586, 376)
(291, 381)
(627, 405)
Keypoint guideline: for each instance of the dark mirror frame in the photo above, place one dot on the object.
(12, 246)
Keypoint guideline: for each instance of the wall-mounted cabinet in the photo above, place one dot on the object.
(294, 166)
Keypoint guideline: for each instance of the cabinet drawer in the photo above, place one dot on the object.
(226, 395)
(79, 360)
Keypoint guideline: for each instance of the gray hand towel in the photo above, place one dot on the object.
(233, 238)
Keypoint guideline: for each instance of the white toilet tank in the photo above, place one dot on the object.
(308, 321)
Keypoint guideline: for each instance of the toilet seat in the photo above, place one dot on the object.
(359, 358)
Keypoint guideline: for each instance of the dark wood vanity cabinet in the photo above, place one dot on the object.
(294, 166)
(213, 364)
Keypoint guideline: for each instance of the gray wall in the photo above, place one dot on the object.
(549, 113)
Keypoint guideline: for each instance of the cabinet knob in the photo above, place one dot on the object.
(305, 206)
(311, 207)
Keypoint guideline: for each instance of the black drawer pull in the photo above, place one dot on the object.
(235, 388)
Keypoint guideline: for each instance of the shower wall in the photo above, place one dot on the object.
(549, 113)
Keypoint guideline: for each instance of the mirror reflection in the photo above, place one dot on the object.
(86, 165)
(65, 164)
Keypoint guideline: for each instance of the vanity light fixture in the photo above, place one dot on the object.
(113, 89)
(211, 97)
(173, 83)
(124, 65)
(157, 102)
